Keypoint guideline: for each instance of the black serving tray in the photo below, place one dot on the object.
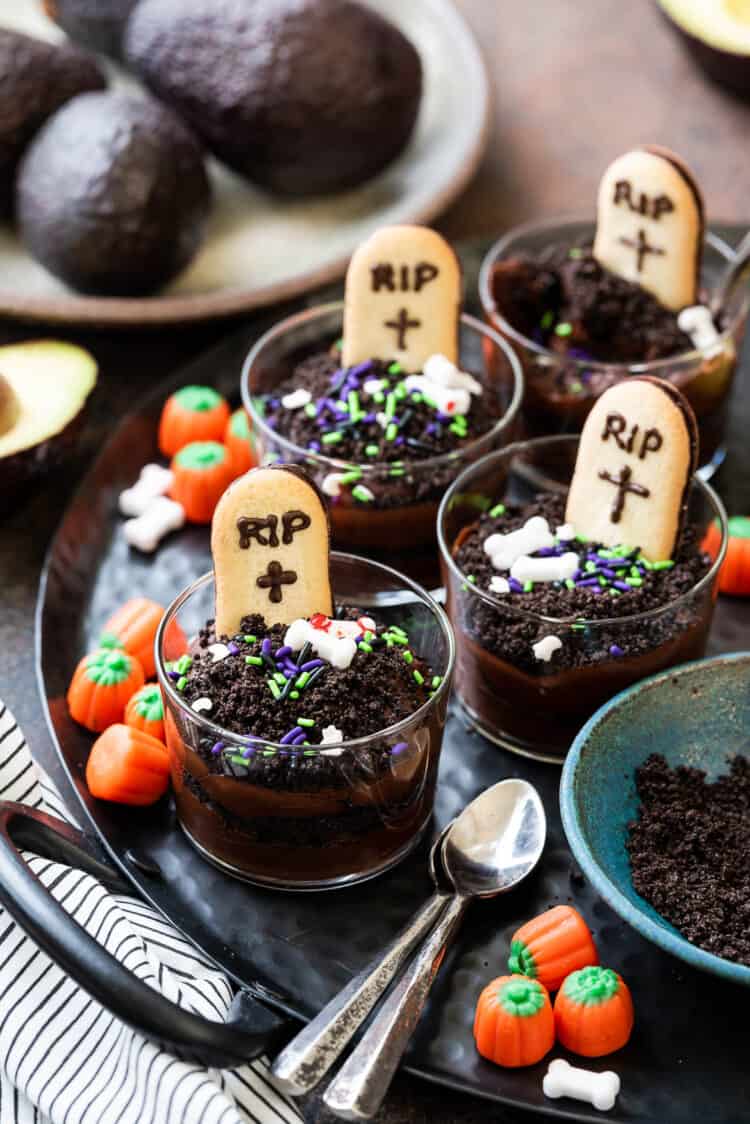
(687, 1057)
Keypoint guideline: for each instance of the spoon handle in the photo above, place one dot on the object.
(358, 1089)
(737, 274)
(309, 1056)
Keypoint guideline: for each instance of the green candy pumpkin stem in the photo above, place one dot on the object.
(108, 667)
(522, 998)
(591, 986)
(149, 704)
(198, 399)
(520, 961)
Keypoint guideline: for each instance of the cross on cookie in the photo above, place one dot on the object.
(637, 454)
(649, 226)
(270, 545)
(403, 294)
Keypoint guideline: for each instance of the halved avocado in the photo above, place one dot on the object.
(44, 385)
(717, 33)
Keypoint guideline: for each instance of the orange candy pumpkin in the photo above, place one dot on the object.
(237, 441)
(133, 627)
(593, 1012)
(202, 473)
(551, 945)
(101, 686)
(194, 413)
(734, 575)
(145, 711)
(127, 766)
(514, 1025)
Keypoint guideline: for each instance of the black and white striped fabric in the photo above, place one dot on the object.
(63, 1057)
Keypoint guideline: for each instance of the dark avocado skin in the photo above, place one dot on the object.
(20, 471)
(300, 96)
(98, 24)
(36, 78)
(112, 195)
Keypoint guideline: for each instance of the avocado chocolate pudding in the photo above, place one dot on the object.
(268, 789)
(534, 661)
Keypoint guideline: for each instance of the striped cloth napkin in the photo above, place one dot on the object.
(66, 1059)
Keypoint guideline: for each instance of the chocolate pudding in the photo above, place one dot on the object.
(262, 782)
(536, 659)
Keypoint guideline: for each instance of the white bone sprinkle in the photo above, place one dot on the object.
(439, 369)
(217, 652)
(697, 322)
(597, 1089)
(160, 517)
(449, 400)
(555, 568)
(499, 585)
(545, 649)
(296, 399)
(331, 484)
(201, 705)
(337, 650)
(153, 481)
(331, 735)
(373, 386)
(505, 549)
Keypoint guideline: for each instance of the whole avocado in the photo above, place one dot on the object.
(112, 195)
(36, 78)
(300, 96)
(98, 24)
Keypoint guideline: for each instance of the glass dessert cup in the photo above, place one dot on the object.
(538, 712)
(561, 389)
(398, 527)
(323, 816)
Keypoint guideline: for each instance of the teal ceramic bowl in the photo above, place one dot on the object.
(697, 714)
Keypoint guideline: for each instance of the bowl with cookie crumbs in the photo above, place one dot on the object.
(386, 396)
(575, 567)
(586, 303)
(655, 800)
(306, 696)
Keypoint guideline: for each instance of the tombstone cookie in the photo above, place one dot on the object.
(270, 544)
(649, 226)
(403, 296)
(637, 454)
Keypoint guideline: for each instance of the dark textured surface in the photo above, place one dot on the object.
(133, 362)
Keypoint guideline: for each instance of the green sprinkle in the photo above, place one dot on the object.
(301, 680)
(363, 646)
(576, 386)
(436, 681)
(498, 509)
(311, 409)
(378, 397)
(457, 430)
(569, 583)
(372, 450)
(575, 253)
(341, 405)
(306, 722)
(364, 495)
(528, 586)
(294, 694)
(666, 564)
(390, 405)
(604, 553)
(470, 578)
(353, 400)
(397, 630)
(332, 438)
(183, 664)
(309, 752)
(181, 683)
(268, 752)
(395, 369)
(254, 661)
(250, 639)
(418, 676)
(369, 635)
(400, 391)
(563, 329)
(339, 344)
(408, 656)
(578, 626)
(590, 567)
(391, 432)
(547, 320)
(274, 687)
(416, 396)
(280, 679)
(397, 472)
(352, 476)
(645, 563)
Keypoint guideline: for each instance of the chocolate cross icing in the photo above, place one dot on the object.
(624, 485)
(274, 578)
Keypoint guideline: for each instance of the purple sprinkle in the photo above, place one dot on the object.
(537, 336)
(579, 353)
(515, 585)
(360, 368)
(578, 574)
(336, 375)
(623, 586)
(399, 747)
(399, 441)
(217, 747)
(314, 446)
(369, 418)
(291, 735)
(266, 647)
(591, 581)
(284, 650)
(174, 675)
(299, 739)
(615, 650)
(233, 648)
(430, 429)
(444, 418)
(607, 572)
(310, 665)
(591, 556)
(249, 751)
(546, 551)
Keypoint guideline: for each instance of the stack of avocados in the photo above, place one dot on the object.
(109, 190)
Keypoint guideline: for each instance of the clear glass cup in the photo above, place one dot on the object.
(551, 406)
(398, 526)
(308, 819)
(537, 710)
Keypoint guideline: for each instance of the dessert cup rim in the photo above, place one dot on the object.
(649, 367)
(351, 745)
(595, 622)
(334, 463)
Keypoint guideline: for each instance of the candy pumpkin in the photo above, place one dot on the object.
(237, 441)
(127, 766)
(734, 575)
(202, 473)
(194, 413)
(101, 686)
(133, 627)
(551, 945)
(514, 1025)
(145, 711)
(593, 1012)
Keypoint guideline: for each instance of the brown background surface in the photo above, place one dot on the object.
(575, 83)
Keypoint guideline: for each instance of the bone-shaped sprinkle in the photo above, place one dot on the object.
(439, 369)
(153, 481)
(698, 323)
(565, 1080)
(339, 651)
(545, 648)
(555, 568)
(505, 549)
(447, 399)
(160, 517)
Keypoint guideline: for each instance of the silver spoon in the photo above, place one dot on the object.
(311, 1053)
(737, 273)
(495, 842)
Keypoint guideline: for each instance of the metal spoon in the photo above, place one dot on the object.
(736, 274)
(311, 1053)
(495, 842)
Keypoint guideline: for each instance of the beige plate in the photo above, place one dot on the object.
(258, 249)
